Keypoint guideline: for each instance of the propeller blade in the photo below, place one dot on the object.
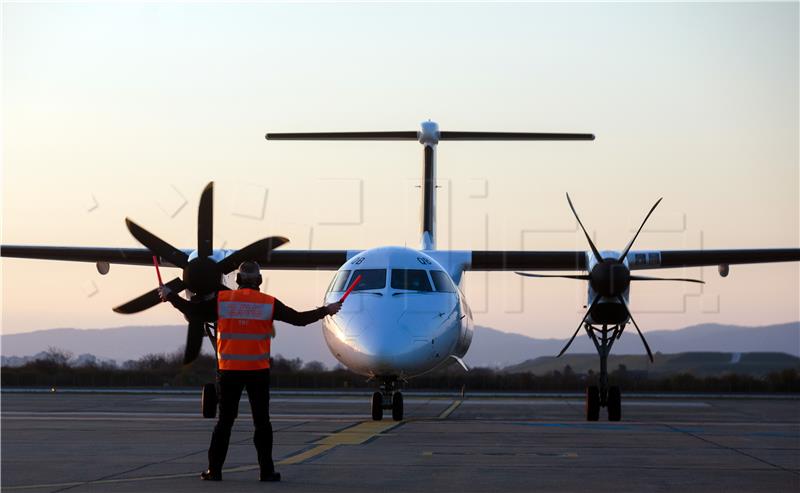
(582, 277)
(205, 222)
(253, 251)
(630, 315)
(630, 243)
(157, 245)
(149, 299)
(580, 325)
(194, 341)
(648, 278)
(591, 243)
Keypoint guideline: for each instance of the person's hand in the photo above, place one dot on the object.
(333, 308)
(164, 292)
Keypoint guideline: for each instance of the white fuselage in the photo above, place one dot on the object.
(406, 317)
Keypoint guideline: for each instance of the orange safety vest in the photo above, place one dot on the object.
(244, 329)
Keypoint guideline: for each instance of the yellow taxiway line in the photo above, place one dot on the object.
(353, 435)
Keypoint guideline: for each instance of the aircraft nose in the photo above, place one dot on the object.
(385, 348)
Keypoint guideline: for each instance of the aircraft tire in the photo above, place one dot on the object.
(397, 406)
(592, 403)
(377, 406)
(614, 404)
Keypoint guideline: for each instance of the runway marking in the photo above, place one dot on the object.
(353, 435)
(452, 407)
(292, 400)
(124, 480)
(304, 456)
(565, 455)
(151, 416)
(564, 402)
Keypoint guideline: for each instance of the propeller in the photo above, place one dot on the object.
(202, 274)
(609, 277)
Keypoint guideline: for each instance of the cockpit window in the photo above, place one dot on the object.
(411, 279)
(339, 281)
(442, 281)
(370, 279)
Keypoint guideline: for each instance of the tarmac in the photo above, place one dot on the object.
(326, 442)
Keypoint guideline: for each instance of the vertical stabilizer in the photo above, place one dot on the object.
(429, 137)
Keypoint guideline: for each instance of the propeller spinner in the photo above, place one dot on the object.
(609, 278)
(201, 274)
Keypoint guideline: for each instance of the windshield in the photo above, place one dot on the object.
(370, 279)
(442, 281)
(411, 279)
(339, 281)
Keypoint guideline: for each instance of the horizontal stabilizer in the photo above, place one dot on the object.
(444, 135)
(344, 136)
(450, 135)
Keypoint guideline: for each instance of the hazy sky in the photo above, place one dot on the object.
(129, 109)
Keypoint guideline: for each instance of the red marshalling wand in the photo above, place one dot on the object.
(158, 272)
(350, 289)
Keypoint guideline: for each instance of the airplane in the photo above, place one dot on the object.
(408, 314)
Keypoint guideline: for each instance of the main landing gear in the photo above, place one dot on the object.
(603, 395)
(389, 397)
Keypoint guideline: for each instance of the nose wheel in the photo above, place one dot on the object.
(389, 397)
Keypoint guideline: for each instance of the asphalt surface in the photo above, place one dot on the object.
(326, 443)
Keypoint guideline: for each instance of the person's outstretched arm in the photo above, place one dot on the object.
(205, 310)
(292, 316)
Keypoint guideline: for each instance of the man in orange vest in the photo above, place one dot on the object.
(245, 330)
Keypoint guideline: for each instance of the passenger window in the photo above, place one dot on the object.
(370, 279)
(339, 281)
(411, 279)
(442, 281)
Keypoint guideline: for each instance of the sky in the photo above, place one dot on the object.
(129, 109)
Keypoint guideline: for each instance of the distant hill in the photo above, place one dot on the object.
(489, 347)
(697, 363)
(500, 349)
(125, 343)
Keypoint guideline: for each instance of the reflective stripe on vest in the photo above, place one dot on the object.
(243, 337)
(241, 310)
(244, 357)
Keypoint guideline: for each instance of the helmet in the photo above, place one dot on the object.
(249, 274)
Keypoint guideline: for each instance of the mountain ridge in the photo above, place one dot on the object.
(490, 347)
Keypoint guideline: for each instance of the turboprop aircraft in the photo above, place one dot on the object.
(408, 315)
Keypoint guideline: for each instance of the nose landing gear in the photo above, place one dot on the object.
(603, 395)
(389, 397)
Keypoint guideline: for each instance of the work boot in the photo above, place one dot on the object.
(209, 475)
(271, 476)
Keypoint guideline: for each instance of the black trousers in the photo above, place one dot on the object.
(230, 384)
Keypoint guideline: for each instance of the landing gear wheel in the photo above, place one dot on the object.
(614, 404)
(397, 406)
(377, 406)
(592, 403)
(208, 400)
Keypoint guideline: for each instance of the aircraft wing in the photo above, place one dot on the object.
(697, 258)
(277, 259)
(479, 260)
(520, 260)
(637, 259)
